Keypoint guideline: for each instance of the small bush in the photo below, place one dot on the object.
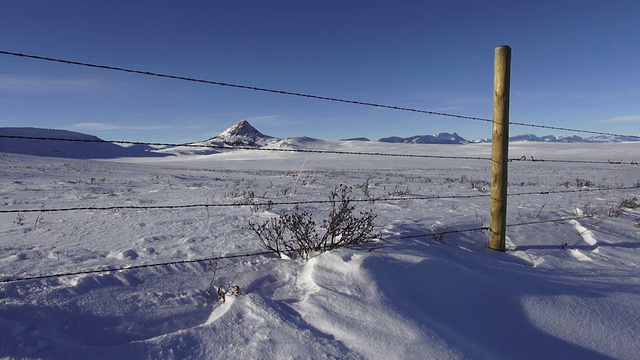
(481, 185)
(296, 234)
(366, 188)
(248, 197)
(19, 219)
(580, 183)
(221, 291)
(626, 203)
(566, 184)
(397, 191)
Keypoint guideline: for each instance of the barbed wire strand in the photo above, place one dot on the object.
(444, 233)
(548, 127)
(237, 86)
(255, 254)
(302, 202)
(552, 191)
(117, 269)
(549, 221)
(335, 152)
(609, 162)
(237, 204)
(298, 94)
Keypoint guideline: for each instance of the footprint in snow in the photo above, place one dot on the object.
(128, 254)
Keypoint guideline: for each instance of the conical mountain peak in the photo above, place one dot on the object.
(244, 129)
(241, 134)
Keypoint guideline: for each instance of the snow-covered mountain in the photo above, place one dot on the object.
(441, 138)
(80, 146)
(242, 134)
(546, 138)
(356, 139)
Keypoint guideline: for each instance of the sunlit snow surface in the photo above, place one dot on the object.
(568, 289)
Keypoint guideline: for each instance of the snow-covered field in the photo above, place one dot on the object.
(564, 290)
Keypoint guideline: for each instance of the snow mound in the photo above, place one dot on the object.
(83, 147)
(299, 143)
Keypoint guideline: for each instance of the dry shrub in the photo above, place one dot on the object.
(297, 234)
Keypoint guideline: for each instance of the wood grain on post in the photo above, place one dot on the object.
(500, 149)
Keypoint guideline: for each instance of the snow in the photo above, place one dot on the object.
(565, 289)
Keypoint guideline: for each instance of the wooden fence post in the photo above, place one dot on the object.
(500, 149)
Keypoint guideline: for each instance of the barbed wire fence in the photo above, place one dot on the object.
(523, 159)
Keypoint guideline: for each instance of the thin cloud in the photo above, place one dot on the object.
(98, 126)
(618, 119)
(444, 102)
(35, 84)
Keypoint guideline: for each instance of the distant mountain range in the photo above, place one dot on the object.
(447, 138)
(572, 139)
(242, 134)
(441, 138)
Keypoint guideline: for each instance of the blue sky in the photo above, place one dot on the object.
(575, 64)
